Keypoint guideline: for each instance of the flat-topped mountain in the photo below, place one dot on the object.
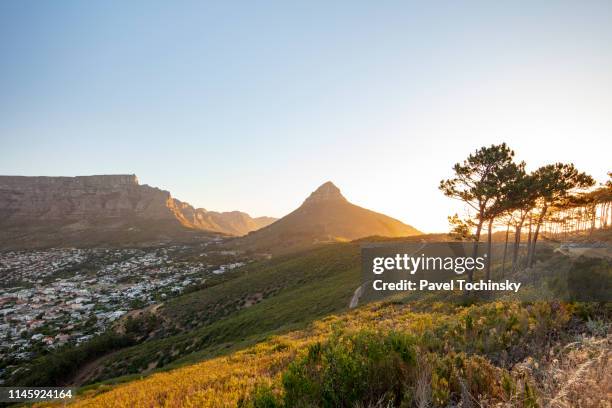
(326, 215)
(41, 211)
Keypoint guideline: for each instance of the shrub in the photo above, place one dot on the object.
(370, 368)
(262, 397)
(365, 368)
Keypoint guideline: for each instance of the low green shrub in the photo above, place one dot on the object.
(366, 367)
(369, 368)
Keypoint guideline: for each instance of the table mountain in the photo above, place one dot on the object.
(42, 211)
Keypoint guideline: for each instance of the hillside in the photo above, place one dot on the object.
(499, 354)
(102, 210)
(230, 312)
(325, 216)
(499, 351)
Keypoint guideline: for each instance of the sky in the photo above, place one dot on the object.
(252, 105)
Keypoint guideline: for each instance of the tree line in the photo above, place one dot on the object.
(555, 200)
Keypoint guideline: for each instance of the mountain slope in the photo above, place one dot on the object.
(106, 209)
(285, 293)
(493, 360)
(232, 312)
(326, 215)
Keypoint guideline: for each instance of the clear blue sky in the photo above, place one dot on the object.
(252, 105)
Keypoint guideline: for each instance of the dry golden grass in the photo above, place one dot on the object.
(219, 382)
(223, 381)
(581, 375)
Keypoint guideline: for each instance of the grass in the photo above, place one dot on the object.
(464, 352)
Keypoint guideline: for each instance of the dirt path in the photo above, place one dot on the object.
(587, 252)
(355, 299)
(90, 369)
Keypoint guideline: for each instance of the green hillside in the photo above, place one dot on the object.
(286, 293)
(497, 354)
(234, 310)
(242, 308)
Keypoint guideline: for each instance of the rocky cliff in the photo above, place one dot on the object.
(71, 207)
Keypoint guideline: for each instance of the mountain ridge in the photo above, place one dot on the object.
(75, 208)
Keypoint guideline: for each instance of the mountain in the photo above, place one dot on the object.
(105, 209)
(326, 215)
(232, 222)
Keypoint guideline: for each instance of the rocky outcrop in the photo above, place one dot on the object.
(105, 202)
(326, 192)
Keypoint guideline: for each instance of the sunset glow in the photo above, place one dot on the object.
(369, 97)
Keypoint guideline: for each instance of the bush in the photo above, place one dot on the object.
(262, 397)
(363, 368)
(382, 369)
(141, 326)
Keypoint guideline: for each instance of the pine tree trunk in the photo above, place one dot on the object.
(528, 243)
(593, 218)
(535, 236)
(505, 251)
(489, 237)
(475, 248)
(517, 241)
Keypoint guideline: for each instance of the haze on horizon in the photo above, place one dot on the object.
(252, 107)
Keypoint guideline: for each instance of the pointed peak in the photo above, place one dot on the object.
(326, 187)
(326, 192)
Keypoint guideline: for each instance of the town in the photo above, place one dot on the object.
(50, 298)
